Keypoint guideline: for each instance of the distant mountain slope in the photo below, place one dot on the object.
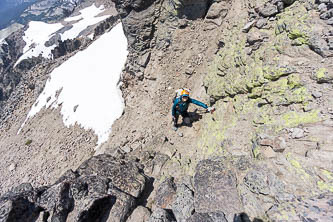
(11, 10)
(39, 10)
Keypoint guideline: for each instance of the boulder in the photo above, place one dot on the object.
(161, 215)
(215, 188)
(207, 217)
(261, 182)
(103, 188)
(191, 9)
(268, 10)
(20, 204)
(183, 205)
(140, 214)
(317, 208)
(165, 194)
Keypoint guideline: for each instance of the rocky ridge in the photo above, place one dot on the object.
(264, 155)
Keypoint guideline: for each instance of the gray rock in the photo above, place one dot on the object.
(191, 9)
(261, 182)
(140, 214)
(253, 37)
(330, 22)
(183, 205)
(297, 133)
(288, 2)
(58, 201)
(20, 206)
(318, 208)
(125, 175)
(317, 94)
(207, 217)
(327, 15)
(218, 9)
(319, 45)
(166, 193)
(215, 188)
(248, 26)
(322, 7)
(261, 23)
(161, 215)
(268, 10)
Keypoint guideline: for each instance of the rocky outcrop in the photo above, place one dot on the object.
(102, 187)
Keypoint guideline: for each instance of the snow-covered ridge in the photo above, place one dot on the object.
(87, 82)
(39, 33)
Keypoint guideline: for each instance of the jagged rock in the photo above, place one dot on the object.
(166, 193)
(261, 182)
(140, 214)
(217, 9)
(268, 10)
(215, 188)
(191, 9)
(207, 217)
(319, 45)
(125, 175)
(58, 201)
(161, 215)
(327, 15)
(318, 208)
(183, 205)
(20, 205)
(64, 47)
(102, 188)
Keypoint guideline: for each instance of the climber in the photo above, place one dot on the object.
(180, 107)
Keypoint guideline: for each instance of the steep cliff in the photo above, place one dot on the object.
(265, 154)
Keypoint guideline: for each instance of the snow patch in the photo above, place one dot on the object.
(85, 19)
(35, 37)
(85, 86)
(39, 33)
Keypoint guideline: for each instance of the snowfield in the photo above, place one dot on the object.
(38, 33)
(87, 82)
(35, 37)
(85, 19)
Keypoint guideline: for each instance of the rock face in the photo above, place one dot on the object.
(102, 187)
(215, 188)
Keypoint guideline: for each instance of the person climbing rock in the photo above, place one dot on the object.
(180, 107)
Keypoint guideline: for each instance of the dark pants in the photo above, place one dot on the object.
(186, 118)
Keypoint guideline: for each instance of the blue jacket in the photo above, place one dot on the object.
(180, 107)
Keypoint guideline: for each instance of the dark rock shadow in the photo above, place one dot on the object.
(243, 217)
(149, 187)
(195, 116)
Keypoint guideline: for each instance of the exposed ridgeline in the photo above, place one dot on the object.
(264, 155)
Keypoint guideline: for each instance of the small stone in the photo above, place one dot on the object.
(322, 7)
(12, 167)
(180, 134)
(317, 94)
(297, 133)
(261, 23)
(248, 26)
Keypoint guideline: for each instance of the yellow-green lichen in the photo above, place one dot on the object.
(328, 174)
(297, 167)
(292, 119)
(324, 186)
(321, 73)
